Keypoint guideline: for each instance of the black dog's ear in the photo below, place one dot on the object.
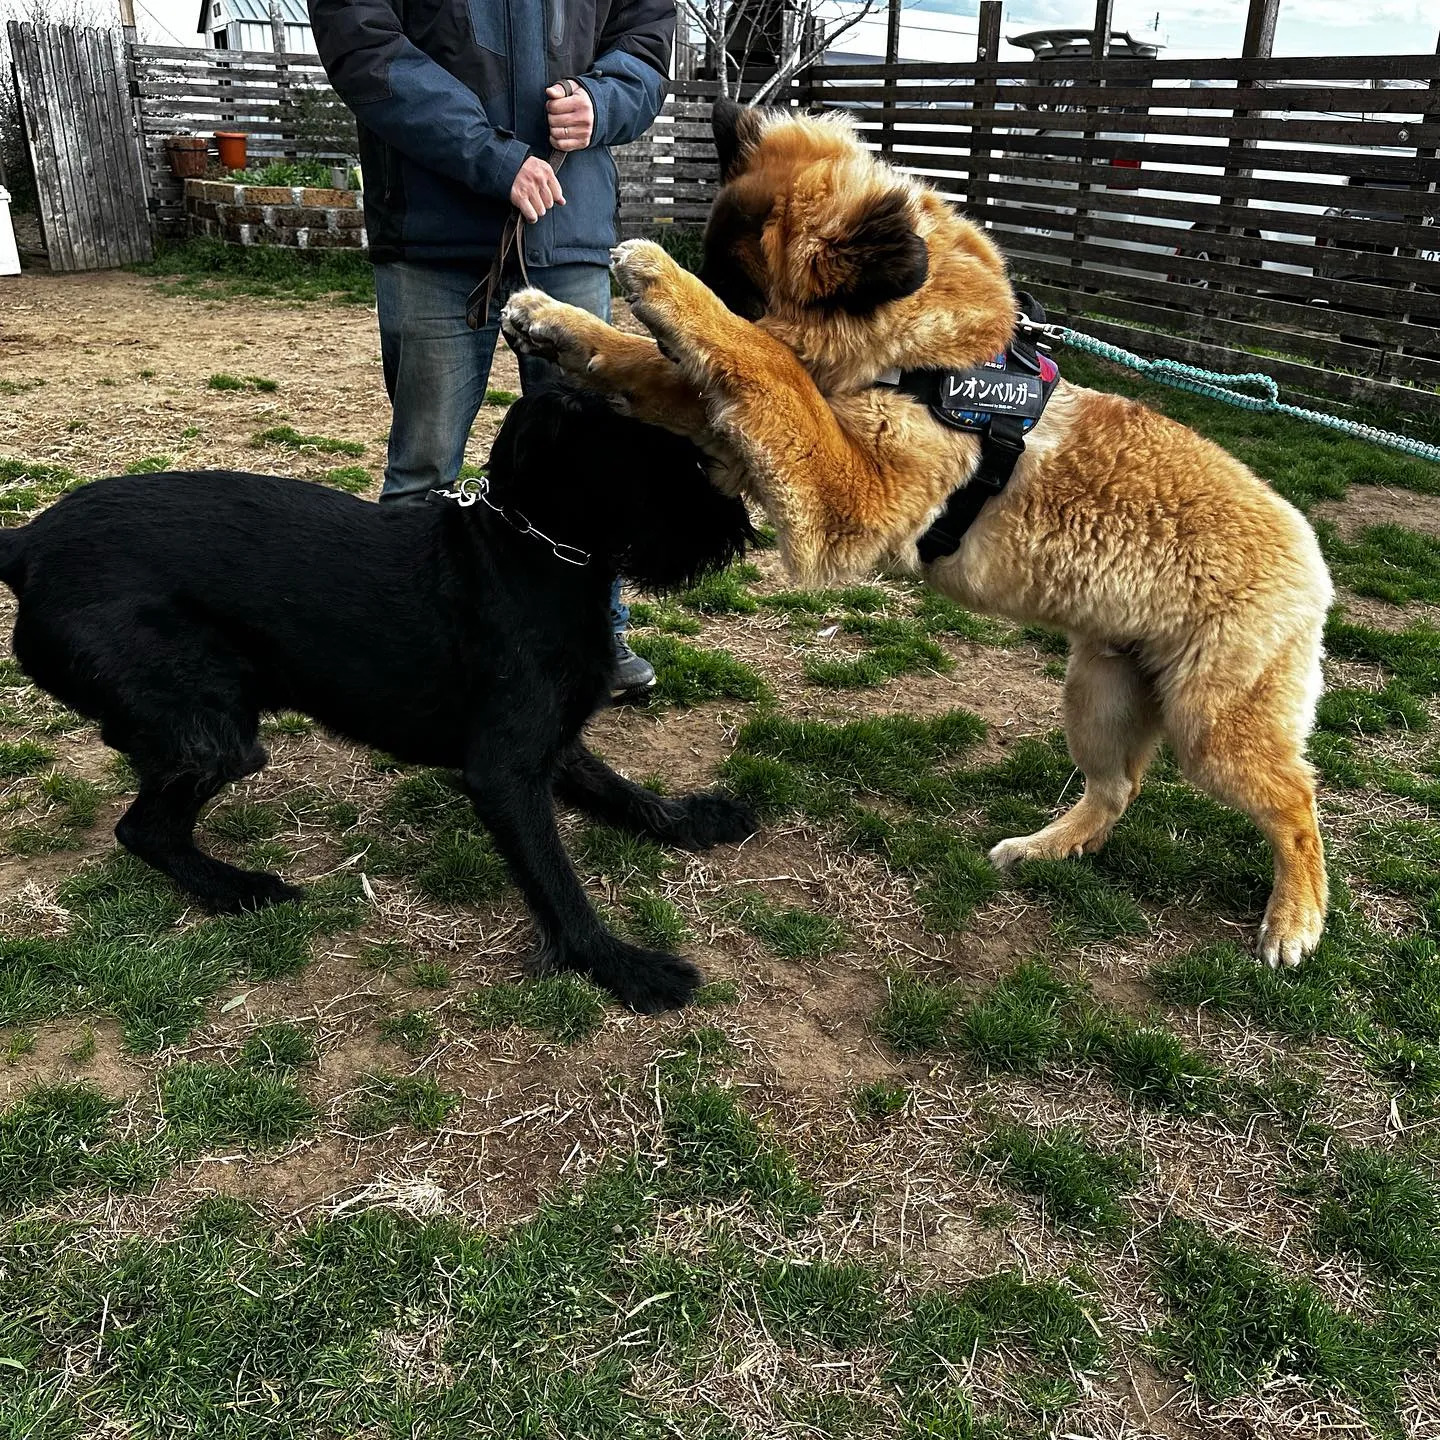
(736, 129)
(878, 259)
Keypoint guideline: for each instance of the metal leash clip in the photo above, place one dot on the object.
(1053, 333)
(470, 488)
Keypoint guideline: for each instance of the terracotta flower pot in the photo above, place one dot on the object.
(188, 156)
(231, 144)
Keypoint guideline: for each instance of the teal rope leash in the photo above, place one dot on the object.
(1227, 388)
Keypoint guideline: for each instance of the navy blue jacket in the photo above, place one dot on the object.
(450, 100)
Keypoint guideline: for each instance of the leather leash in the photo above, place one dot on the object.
(477, 306)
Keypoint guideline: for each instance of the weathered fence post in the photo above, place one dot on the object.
(1258, 44)
(890, 94)
(1423, 153)
(1092, 123)
(985, 95)
(282, 80)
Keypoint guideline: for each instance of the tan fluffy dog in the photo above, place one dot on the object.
(1193, 596)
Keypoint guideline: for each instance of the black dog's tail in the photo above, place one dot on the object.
(12, 558)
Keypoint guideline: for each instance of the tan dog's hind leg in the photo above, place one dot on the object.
(1112, 725)
(1249, 754)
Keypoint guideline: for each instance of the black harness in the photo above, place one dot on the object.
(1001, 401)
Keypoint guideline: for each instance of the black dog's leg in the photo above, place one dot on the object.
(693, 822)
(159, 827)
(181, 765)
(519, 813)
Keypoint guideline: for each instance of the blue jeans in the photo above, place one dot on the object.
(437, 368)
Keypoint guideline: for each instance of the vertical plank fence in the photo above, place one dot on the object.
(83, 145)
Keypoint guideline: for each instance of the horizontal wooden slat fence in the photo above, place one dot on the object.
(282, 102)
(1191, 208)
(1194, 208)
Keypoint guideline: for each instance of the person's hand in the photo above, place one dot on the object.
(571, 115)
(536, 189)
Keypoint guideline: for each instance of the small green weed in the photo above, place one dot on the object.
(1387, 562)
(60, 1138)
(563, 1008)
(791, 932)
(24, 757)
(243, 822)
(879, 1099)
(414, 1030)
(654, 921)
(151, 465)
(668, 619)
(619, 855)
(26, 485)
(277, 1046)
(352, 479)
(430, 975)
(208, 1105)
(686, 675)
(918, 1015)
(825, 1303)
(1077, 1183)
(1235, 1321)
(893, 647)
(726, 592)
(388, 1100)
(19, 1044)
(288, 436)
(717, 992)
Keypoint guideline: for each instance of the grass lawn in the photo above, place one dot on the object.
(937, 1153)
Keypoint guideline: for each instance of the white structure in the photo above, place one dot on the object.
(9, 254)
(942, 32)
(245, 25)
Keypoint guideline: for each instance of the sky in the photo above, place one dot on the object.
(1205, 27)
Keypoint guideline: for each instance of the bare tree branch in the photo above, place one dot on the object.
(804, 55)
(802, 36)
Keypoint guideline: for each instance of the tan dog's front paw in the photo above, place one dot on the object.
(528, 324)
(1043, 845)
(535, 324)
(639, 265)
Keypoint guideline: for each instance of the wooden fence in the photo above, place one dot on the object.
(282, 102)
(1190, 209)
(80, 137)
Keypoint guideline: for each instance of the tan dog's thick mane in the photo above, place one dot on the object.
(828, 185)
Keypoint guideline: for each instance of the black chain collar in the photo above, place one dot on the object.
(467, 491)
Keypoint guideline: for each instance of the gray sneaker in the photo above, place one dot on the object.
(633, 674)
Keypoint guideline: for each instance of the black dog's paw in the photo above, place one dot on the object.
(648, 981)
(712, 817)
(250, 890)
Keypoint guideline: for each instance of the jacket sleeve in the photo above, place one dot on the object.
(410, 102)
(628, 81)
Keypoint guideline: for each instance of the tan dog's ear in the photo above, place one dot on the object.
(875, 257)
(736, 129)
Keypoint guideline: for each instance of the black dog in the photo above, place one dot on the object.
(175, 609)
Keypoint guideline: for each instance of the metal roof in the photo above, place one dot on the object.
(292, 11)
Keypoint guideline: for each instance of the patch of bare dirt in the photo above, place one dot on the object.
(1379, 505)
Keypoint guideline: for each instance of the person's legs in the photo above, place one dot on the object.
(588, 288)
(436, 370)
